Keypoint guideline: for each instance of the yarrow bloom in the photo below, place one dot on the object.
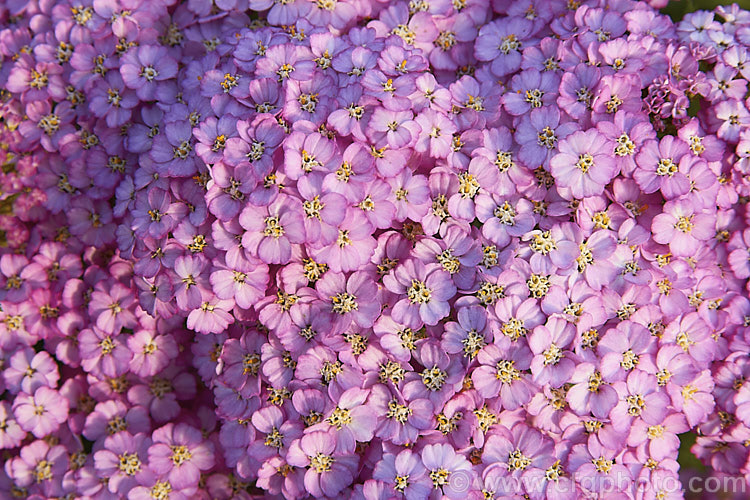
(584, 164)
(40, 413)
(179, 453)
(424, 291)
(372, 250)
(327, 472)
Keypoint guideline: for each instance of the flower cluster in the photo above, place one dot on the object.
(369, 249)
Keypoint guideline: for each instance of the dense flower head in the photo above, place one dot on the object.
(372, 250)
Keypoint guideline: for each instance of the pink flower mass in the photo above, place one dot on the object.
(373, 250)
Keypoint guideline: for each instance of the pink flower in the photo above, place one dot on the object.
(41, 413)
(584, 164)
(424, 291)
(503, 373)
(328, 472)
(683, 227)
(179, 453)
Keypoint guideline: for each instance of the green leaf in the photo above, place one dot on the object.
(685, 458)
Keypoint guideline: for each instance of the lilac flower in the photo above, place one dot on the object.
(498, 149)
(256, 142)
(451, 42)
(551, 362)
(103, 352)
(595, 259)
(584, 165)
(628, 131)
(597, 462)
(517, 316)
(307, 153)
(351, 421)
(440, 378)
(174, 151)
(324, 211)
(661, 437)
(47, 124)
(590, 393)
(411, 194)
(398, 339)
(477, 103)
(416, 31)
(27, 371)
(11, 434)
(151, 353)
(310, 321)
(337, 15)
(732, 115)
(504, 219)
(441, 460)
(123, 461)
(353, 113)
(281, 13)
(551, 249)
(374, 202)
(320, 366)
(244, 282)
(36, 82)
(470, 183)
(112, 309)
(539, 132)
(442, 186)
(682, 227)
(40, 413)
(41, 464)
(111, 100)
(641, 400)
(309, 100)
(140, 134)
(13, 326)
(279, 434)
(355, 168)
(271, 231)
(212, 135)
(353, 299)
(142, 70)
(212, 316)
(228, 189)
(153, 484)
(457, 254)
(616, 93)
(530, 90)
(660, 167)
(628, 347)
(394, 129)
(502, 373)
(573, 322)
(701, 144)
(501, 42)
(404, 420)
(353, 247)
(180, 453)
(286, 61)
(524, 452)
(190, 279)
(467, 336)
(278, 363)
(405, 474)
(241, 360)
(425, 291)
(436, 136)
(328, 472)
